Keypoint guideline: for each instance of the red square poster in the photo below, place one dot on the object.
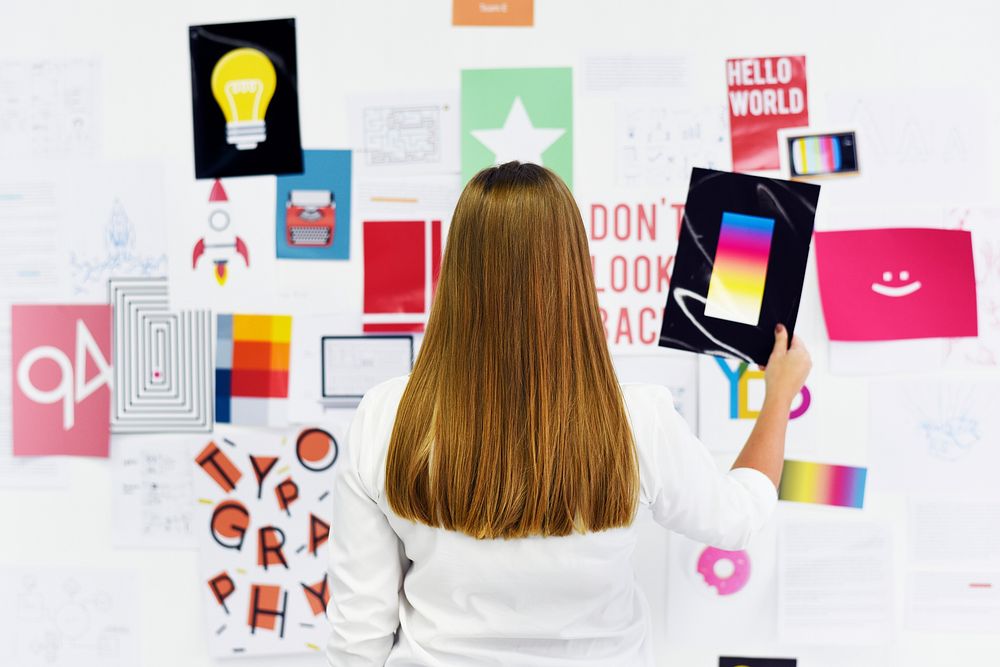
(402, 261)
(60, 358)
(765, 95)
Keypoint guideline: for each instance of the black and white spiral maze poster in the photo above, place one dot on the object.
(162, 361)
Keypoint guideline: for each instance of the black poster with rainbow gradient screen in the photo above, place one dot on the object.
(741, 259)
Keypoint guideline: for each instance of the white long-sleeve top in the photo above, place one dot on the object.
(404, 594)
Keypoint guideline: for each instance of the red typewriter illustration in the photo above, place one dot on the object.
(310, 218)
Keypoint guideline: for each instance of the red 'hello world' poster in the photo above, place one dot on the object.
(765, 95)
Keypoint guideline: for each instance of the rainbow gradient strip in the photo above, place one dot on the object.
(736, 288)
(816, 155)
(824, 484)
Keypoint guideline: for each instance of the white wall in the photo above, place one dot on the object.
(384, 45)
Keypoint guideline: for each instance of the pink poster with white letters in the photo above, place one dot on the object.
(898, 283)
(61, 375)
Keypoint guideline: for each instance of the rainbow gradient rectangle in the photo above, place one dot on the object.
(736, 288)
(823, 484)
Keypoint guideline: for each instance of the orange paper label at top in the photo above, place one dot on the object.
(504, 12)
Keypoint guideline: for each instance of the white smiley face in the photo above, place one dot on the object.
(904, 286)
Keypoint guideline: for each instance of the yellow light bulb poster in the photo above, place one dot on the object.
(244, 95)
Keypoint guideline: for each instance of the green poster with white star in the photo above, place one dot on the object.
(518, 114)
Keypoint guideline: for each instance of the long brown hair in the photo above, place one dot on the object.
(513, 423)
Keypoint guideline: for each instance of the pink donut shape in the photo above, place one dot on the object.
(734, 582)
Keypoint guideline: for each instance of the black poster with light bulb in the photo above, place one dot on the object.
(244, 93)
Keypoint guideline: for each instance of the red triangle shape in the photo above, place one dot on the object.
(218, 193)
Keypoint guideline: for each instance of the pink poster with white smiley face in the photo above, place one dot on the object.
(900, 283)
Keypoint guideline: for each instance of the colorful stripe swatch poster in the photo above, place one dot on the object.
(518, 114)
(816, 155)
(251, 369)
(823, 484)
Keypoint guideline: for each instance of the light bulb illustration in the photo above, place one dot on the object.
(243, 83)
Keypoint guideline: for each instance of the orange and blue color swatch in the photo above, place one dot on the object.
(736, 289)
(251, 369)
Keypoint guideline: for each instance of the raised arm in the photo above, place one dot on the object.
(686, 491)
(784, 375)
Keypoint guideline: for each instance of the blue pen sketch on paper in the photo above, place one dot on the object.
(951, 438)
(948, 417)
(61, 617)
(120, 257)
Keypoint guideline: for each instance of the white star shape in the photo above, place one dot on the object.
(518, 139)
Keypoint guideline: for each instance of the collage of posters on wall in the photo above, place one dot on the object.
(216, 360)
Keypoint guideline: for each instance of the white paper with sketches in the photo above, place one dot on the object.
(50, 108)
(933, 434)
(152, 492)
(405, 133)
(914, 146)
(32, 270)
(658, 142)
(69, 617)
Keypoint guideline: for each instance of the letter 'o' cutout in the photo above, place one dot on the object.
(316, 449)
(803, 404)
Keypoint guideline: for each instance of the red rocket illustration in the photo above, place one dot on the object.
(220, 245)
